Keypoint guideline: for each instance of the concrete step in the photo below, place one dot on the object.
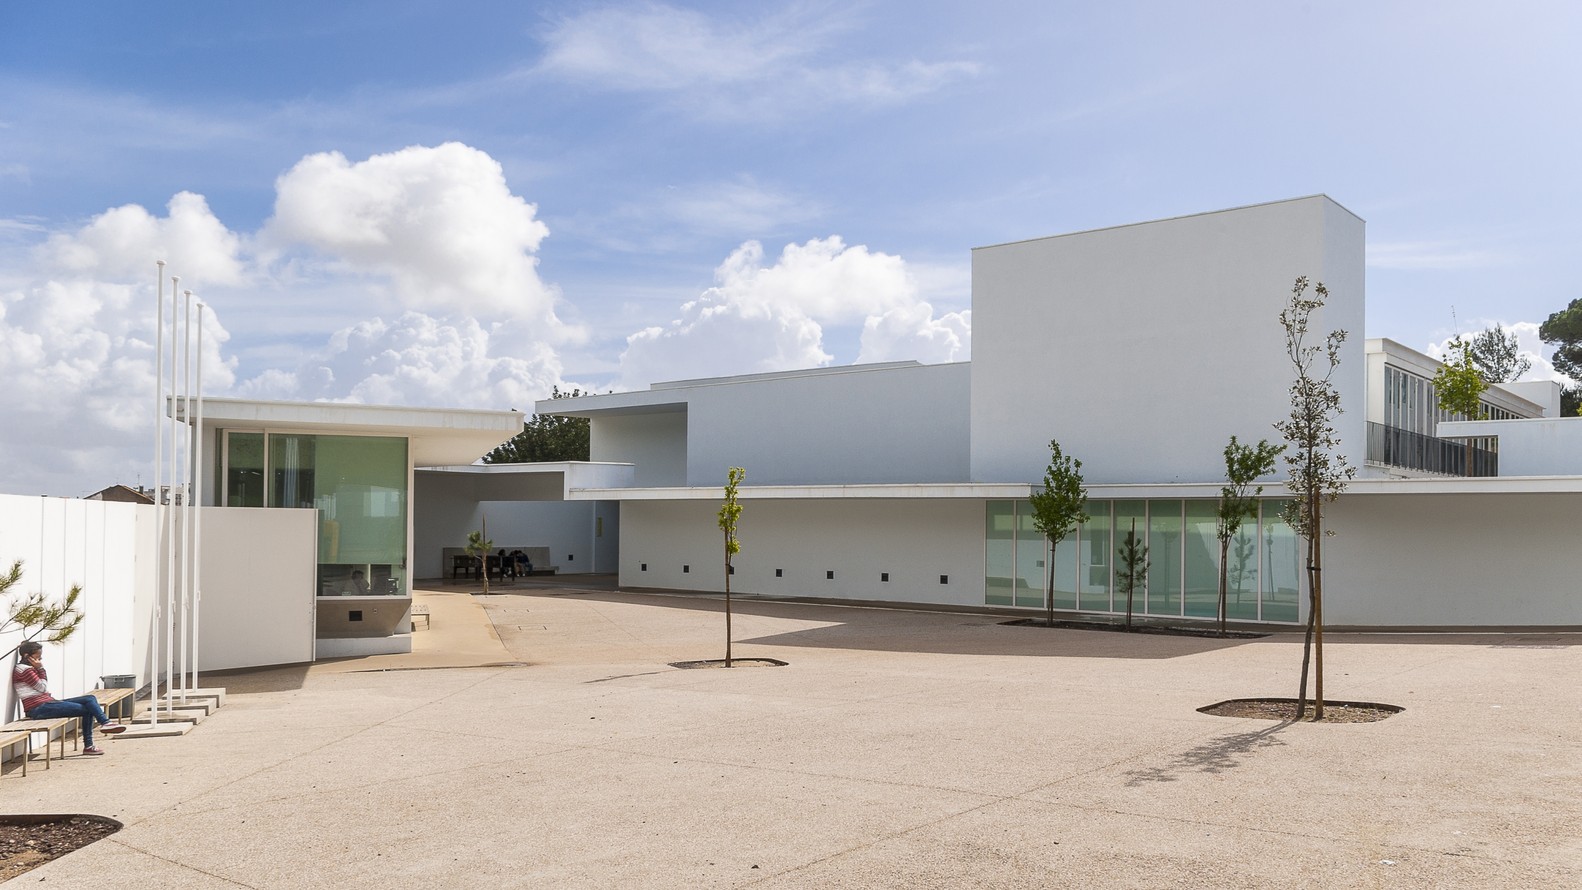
(165, 729)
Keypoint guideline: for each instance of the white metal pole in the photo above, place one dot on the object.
(184, 595)
(197, 525)
(159, 514)
(170, 514)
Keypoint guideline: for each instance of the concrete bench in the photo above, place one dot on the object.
(53, 728)
(420, 611)
(10, 741)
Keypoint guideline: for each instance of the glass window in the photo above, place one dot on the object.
(1067, 555)
(1241, 576)
(1281, 570)
(1164, 551)
(1202, 559)
(1000, 562)
(1094, 573)
(1130, 516)
(1031, 548)
(244, 470)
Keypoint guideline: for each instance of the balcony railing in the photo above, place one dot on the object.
(1415, 451)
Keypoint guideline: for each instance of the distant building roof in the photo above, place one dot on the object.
(121, 493)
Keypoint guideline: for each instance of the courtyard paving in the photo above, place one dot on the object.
(539, 738)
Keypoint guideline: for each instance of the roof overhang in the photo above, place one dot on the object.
(437, 436)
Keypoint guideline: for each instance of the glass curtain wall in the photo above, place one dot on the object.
(1263, 561)
(358, 484)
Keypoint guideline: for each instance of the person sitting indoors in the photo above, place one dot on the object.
(32, 690)
(357, 586)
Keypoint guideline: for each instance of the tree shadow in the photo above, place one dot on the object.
(1218, 755)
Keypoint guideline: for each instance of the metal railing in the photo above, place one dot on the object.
(1415, 451)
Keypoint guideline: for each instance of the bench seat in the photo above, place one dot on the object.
(53, 728)
(10, 741)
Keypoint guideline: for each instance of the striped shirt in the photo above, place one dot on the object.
(31, 685)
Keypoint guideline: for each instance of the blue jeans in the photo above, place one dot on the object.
(84, 706)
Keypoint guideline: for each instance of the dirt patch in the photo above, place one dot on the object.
(1163, 630)
(1285, 709)
(26, 842)
(735, 663)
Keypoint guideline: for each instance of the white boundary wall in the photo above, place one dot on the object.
(1397, 560)
(915, 541)
(257, 586)
(1453, 560)
(62, 542)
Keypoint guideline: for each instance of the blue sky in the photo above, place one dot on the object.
(471, 202)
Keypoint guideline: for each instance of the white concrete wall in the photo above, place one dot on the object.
(64, 542)
(915, 541)
(446, 506)
(1464, 560)
(1143, 348)
(1547, 446)
(655, 443)
(845, 426)
(259, 573)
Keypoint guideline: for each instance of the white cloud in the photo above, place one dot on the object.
(912, 332)
(1528, 345)
(420, 360)
(122, 244)
(1431, 255)
(761, 317)
(439, 224)
(753, 69)
(430, 238)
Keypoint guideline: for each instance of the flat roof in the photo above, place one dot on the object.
(438, 436)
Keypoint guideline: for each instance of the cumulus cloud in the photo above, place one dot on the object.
(420, 360)
(772, 317)
(439, 224)
(408, 278)
(1528, 345)
(738, 68)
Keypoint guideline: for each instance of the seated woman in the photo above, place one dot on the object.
(32, 689)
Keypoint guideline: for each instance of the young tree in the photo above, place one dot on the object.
(1458, 384)
(1131, 568)
(1563, 331)
(1496, 354)
(478, 547)
(730, 511)
(35, 615)
(1318, 473)
(1244, 464)
(1057, 510)
(546, 437)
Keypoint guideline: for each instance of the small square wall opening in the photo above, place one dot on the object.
(944, 579)
(571, 557)
(829, 575)
(354, 615)
(884, 576)
(645, 566)
(780, 573)
(730, 570)
(686, 569)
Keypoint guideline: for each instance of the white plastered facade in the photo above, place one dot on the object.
(1141, 349)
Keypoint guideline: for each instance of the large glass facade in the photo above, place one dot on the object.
(1182, 581)
(357, 483)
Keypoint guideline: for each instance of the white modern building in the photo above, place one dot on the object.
(1142, 349)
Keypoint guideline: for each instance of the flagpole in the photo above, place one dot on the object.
(159, 462)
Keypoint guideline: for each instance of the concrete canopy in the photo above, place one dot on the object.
(438, 436)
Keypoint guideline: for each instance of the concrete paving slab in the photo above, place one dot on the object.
(898, 749)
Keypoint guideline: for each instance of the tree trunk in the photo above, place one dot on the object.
(727, 601)
(1049, 584)
(1224, 553)
(1318, 616)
